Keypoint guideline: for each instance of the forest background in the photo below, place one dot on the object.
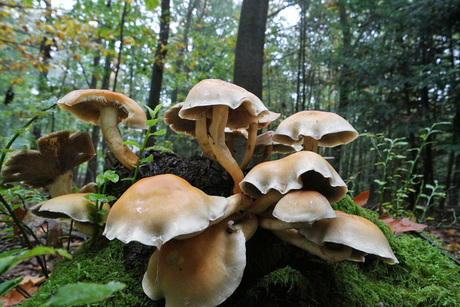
(391, 68)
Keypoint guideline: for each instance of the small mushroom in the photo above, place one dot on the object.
(349, 232)
(305, 170)
(74, 206)
(50, 167)
(313, 128)
(156, 209)
(200, 271)
(107, 109)
(227, 105)
(265, 146)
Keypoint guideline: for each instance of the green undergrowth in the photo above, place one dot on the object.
(278, 274)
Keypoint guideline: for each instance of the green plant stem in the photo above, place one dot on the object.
(141, 152)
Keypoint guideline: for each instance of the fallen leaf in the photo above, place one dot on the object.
(402, 225)
(362, 198)
(14, 297)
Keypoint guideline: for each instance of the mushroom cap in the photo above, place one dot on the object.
(57, 153)
(303, 206)
(328, 128)
(203, 270)
(266, 139)
(245, 107)
(177, 124)
(73, 205)
(351, 230)
(304, 170)
(156, 209)
(86, 106)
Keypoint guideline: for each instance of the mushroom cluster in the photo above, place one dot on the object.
(200, 239)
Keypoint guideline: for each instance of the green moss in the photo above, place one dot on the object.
(98, 261)
(279, 274)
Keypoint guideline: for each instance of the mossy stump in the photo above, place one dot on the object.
(278, 274)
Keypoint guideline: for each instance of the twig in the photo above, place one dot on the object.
(423, 236)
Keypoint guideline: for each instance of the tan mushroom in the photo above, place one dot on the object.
(304, 170)
(313, 128)
(51, 166)
(107, 109)
(200, 271)
(265, 146)
(227, 105)
(74, 206)
(348, 235)
(156, 209)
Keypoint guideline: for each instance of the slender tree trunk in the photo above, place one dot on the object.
(249, 52)
(182, 50)
(158, 66)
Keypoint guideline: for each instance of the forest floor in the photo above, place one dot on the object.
(440, 225)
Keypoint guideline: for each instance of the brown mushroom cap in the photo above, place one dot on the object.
(353, 231)
(86, 105)
(107, 109)
(209, 92)
(200, 271)
(73, 206)
(176, 123)
(51, 165)
(327, 128)
(304, 170)
(156, 209)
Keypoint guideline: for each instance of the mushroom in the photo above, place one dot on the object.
(50, 167)
(348, 235)
(74, 206)
(265, 146)
(313, 128)
(156, 209)
(200, 271)
(227, 105)
(107, 109)
(305, 170)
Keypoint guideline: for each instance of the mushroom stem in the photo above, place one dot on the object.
(293, 237)
(236, 202)
(310, 144)
(267, 153)
(201, 131)
(62, 185)
(250, 145)
(220, 149)
(112, 135)
(265, 201)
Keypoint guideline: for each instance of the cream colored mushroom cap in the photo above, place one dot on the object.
(156, 209)
(200, 271)
(73, 205)
(328, 128)
(86, 105)
(304, 170)
(244, 106)
(303, 206)
(351, 230)
(177, 124)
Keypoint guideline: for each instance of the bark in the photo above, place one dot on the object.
(249, 51)
(158, 65)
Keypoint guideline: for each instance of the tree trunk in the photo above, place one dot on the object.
(158, 66)
(249, 53)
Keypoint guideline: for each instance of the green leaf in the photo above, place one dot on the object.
(152, 122)
(83, 293)
(151, 5)
(159, 132)
(131, 143)
(7, 286)
(147, 159)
